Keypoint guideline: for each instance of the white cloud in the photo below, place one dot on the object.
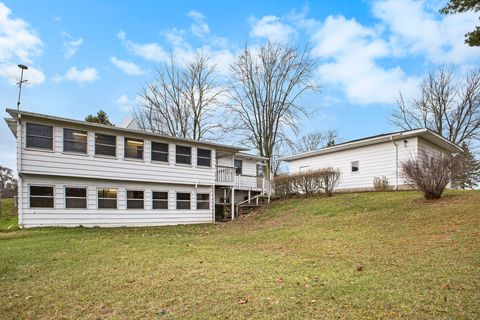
(79, 76)
(271, 28)
(199, 26)
(18, 43)
(70, 45)
(149, 51)
(349, 54)
(129, 68)
(418, 29)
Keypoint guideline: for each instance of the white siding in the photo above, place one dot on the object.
(58, 163)
(374, 161)
(59, 216)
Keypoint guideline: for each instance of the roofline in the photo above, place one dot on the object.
(250, 156)
(14, 113)
(373, 140)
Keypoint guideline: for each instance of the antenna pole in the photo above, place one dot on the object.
(20, 83)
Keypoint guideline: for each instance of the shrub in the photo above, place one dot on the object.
(428, 173)
(380, 183)
(308, 183)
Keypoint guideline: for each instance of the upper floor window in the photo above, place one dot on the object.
(107, 198)
(203, 201)
(134, 199)
(260, 170)
(159, 151)
(238, 164)
(160, 200)
(39, 136)
(183, 200)
(41, 197)
(184, 154)
(76, 198)
(105, 144)
(355, 166)
(133, 148)
(204, 157)
(74, 141)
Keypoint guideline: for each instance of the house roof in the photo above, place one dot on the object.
(397, 135)
(16, 113)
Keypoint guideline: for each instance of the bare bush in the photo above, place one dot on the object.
(380, 183)
(308, 183)
(429, 173)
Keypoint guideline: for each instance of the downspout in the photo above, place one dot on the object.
(396, 162)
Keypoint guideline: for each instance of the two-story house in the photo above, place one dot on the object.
(76, 173)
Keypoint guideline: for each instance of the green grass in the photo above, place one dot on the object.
(367, 255)
(8, 216)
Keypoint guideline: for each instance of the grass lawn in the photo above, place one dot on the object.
(366, 255)
(8, 215)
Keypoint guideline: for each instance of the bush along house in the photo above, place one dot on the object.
(76, 173)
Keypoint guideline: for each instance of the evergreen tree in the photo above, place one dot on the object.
(101, 118)
(465, 169)
(459, 6)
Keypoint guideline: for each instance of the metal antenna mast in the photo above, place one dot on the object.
(20, 83)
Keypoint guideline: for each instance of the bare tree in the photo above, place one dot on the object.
(264, 92)
(180, 101)
(7, 182)
(315, 140)
(448, 107)
(428, 173)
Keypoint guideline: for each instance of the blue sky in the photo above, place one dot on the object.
(90, 55)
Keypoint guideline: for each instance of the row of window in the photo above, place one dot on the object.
(43, 197)
(41, 137)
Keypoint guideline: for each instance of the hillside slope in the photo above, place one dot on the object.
(369, 255)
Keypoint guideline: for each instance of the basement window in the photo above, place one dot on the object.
(355, 166)
(160, 200)
(134, 199)
(39, 136)
(203, 201)
(107, 198)
(76, 198)
(74, 141)
(41, 197)
(183, 200)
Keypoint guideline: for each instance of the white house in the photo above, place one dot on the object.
(74, 173)
(359, 161)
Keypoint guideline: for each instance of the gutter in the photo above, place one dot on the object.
(396, 162)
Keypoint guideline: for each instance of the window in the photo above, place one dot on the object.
(39, 136)
(133, 148)
(184, 154)
(159, 151)
(41, 197)
(355, 166)
(76, 198)
(238, 164)
(134, 199)
(204, 157)
(105, 145)
(203, 201)
(107, 198)
(259, 170)
(183, 200)
(160, 200)
(74, 141)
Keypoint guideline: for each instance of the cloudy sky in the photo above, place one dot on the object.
(87, 55)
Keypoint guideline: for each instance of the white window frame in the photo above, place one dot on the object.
(95, 146)
(37, 148)
(75, 152)
(176, 200)
(125, 149)
(168, 199)
(76, 187)
(162, 152)
(201, 157)
(204, 201)
(116, 199)
(134, 199)
(41, 185)
(183, 154)
(358, 166)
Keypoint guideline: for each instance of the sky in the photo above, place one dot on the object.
(89, 55)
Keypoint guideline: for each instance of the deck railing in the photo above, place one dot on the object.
(225, 175)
